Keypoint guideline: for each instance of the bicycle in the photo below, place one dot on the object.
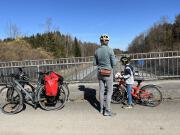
(20, 90)
(147, 95)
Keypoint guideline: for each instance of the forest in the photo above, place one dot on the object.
(47, 45)
(163, 36)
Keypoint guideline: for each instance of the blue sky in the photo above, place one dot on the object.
(87, 19)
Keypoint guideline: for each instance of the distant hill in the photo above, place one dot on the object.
(45, 46)
(21, 50)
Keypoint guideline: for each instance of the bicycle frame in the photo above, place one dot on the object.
(27, 94)
(135, 89)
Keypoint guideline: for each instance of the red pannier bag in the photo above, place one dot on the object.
(51, 84)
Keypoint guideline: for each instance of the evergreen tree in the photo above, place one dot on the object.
(77, 48)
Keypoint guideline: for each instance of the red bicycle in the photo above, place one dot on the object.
(148, 95)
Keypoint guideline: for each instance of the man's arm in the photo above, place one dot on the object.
(113, 58)
(95, 61)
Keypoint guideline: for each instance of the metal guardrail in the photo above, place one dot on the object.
(154, 65)
(72, 69)
(155, 54)
(60, 61)
(159, 68)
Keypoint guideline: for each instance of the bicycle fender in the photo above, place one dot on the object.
(149, 85)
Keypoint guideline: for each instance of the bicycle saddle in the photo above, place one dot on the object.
(139, 81)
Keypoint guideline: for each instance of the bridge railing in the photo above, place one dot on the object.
(155, 54)
(72, 69)
(160, 67)
(150, 66)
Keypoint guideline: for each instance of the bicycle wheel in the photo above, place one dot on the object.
(150, 95)
(66, 90)
(10, 100)
(51, 102)
(118, 95)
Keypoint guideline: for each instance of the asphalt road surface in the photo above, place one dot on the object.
(82, 118)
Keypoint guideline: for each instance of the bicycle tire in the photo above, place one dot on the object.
(51, 103)
(2, 96)
(66, 89)
(118, 95)
(11, 101)
(150, 95)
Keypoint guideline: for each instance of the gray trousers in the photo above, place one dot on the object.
(108, 82)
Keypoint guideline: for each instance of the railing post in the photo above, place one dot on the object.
(177, 66)
(38, 71)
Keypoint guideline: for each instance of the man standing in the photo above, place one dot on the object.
(104, 58)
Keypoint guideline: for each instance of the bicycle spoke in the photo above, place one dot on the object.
(151, 96)
(11, 100)
(118, 95)
(52, 103)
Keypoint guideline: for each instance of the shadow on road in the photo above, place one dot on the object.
(90, 96)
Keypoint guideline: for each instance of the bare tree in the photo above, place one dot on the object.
(164, 20)
(13, 30)
(48, 24)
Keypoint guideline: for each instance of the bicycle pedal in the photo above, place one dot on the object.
(45, 101)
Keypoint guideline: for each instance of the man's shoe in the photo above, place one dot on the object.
(127, 107)
(109, 113)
